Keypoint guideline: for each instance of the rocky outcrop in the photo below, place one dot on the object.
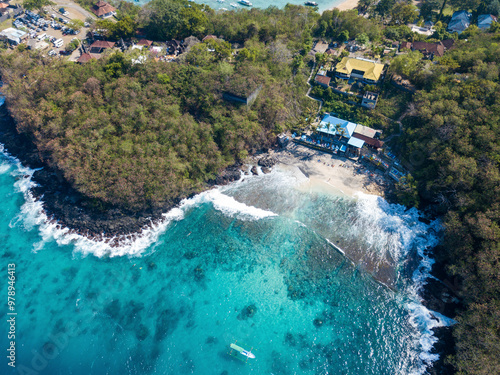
(230, 174)
(267, 161)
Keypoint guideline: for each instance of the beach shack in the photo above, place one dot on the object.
(355, 145)
(334, 133)
(369, 136)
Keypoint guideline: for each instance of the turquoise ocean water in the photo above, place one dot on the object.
(226, 4)
(251, 262)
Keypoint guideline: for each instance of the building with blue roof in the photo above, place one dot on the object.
(459, 21)
(484, 21)
(335, 126)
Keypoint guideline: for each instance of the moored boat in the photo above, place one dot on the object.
(238, 349)
(311, 3)
(245, 2)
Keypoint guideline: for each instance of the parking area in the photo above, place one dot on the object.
(53, 29)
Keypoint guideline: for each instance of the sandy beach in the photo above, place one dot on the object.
(331, 172)
(346, 5)
(334, 175)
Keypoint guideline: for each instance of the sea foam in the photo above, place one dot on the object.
(32, 216)
(409, 233)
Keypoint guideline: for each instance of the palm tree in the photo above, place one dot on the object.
(342, 133)
(338, 129)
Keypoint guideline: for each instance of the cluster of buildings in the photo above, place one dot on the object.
(461, 20)
(346, 136)
(359, 69)
(168, 51)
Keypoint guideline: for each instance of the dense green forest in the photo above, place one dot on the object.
(452, 139)
(138, 135)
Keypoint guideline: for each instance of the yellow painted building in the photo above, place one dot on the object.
(368, 70)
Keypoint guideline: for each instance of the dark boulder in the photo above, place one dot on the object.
(267, 162)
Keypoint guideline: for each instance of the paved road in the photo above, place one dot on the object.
(75, 10)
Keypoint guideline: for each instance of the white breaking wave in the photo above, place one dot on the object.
(4, 167)
(388, 227)
(231, 207)
(134, 244)
(32, 215)
(400, 231)
(425, 321)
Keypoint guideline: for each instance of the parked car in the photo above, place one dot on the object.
(58, 43)
(52, 52)
(64, 53)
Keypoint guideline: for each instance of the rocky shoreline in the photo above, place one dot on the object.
(70, 209)
(441, 294)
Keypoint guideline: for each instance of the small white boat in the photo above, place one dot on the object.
(246, 3)
(234, 5)
(247, 353)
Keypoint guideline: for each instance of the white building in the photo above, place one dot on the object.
(13, 36)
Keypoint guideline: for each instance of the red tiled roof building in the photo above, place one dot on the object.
(103, 10)
(144, 42)
(323, 80)
(84, 58)
(99, 45)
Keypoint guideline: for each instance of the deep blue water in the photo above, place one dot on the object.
(218, 270)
